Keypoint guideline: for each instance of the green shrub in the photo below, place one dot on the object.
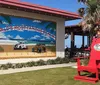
(30, 64)
(13, 67)
(3, 67)
(19, 65)
(50, 62)
(59, 60)
(37, 63)
(41, 62)
(9, 65)
(72, 60)
(66, 60)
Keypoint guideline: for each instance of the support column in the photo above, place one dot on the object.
(60, 39)
(82, 41)
(72, 45)
(72, 40)
(88, 40)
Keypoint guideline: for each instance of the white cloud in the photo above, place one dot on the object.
(18, 37)
(3, 22)
(2, 35)
(45, 36)
(43, 39)
(9, 36)
(35, 37)
(37, 21)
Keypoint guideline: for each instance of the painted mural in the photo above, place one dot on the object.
(23, 37)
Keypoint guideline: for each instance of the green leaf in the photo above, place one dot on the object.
(0, 22)
(51, 25)
(81, 11)
(7, 18)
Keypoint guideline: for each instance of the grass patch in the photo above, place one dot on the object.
(57, 76)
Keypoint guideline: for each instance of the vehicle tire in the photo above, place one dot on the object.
(20, 47)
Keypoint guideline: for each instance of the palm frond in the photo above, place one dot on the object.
(91, 14)
(83, 1)
(7, 18)
(0, 21)
(51, 25)
(81, 11)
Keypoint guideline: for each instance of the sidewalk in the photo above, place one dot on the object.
(9, 71)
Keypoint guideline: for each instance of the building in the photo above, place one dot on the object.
(20, 15)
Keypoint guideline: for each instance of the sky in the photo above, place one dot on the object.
(39, 31)
(67, 5)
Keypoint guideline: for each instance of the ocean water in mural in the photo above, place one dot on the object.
(19, 34)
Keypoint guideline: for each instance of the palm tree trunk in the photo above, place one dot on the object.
(92, 33)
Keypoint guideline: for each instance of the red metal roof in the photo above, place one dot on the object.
(44, 9)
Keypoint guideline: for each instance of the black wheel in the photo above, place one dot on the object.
(20, 47)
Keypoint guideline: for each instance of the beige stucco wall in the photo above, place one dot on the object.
(60, 33)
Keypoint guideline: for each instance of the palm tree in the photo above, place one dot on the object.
(90, 14)
(7, 18)
(50, 25)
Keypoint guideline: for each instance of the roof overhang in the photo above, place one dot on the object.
(76, 29)
(24, 6)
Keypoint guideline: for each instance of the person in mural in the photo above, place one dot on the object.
(44, 48)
